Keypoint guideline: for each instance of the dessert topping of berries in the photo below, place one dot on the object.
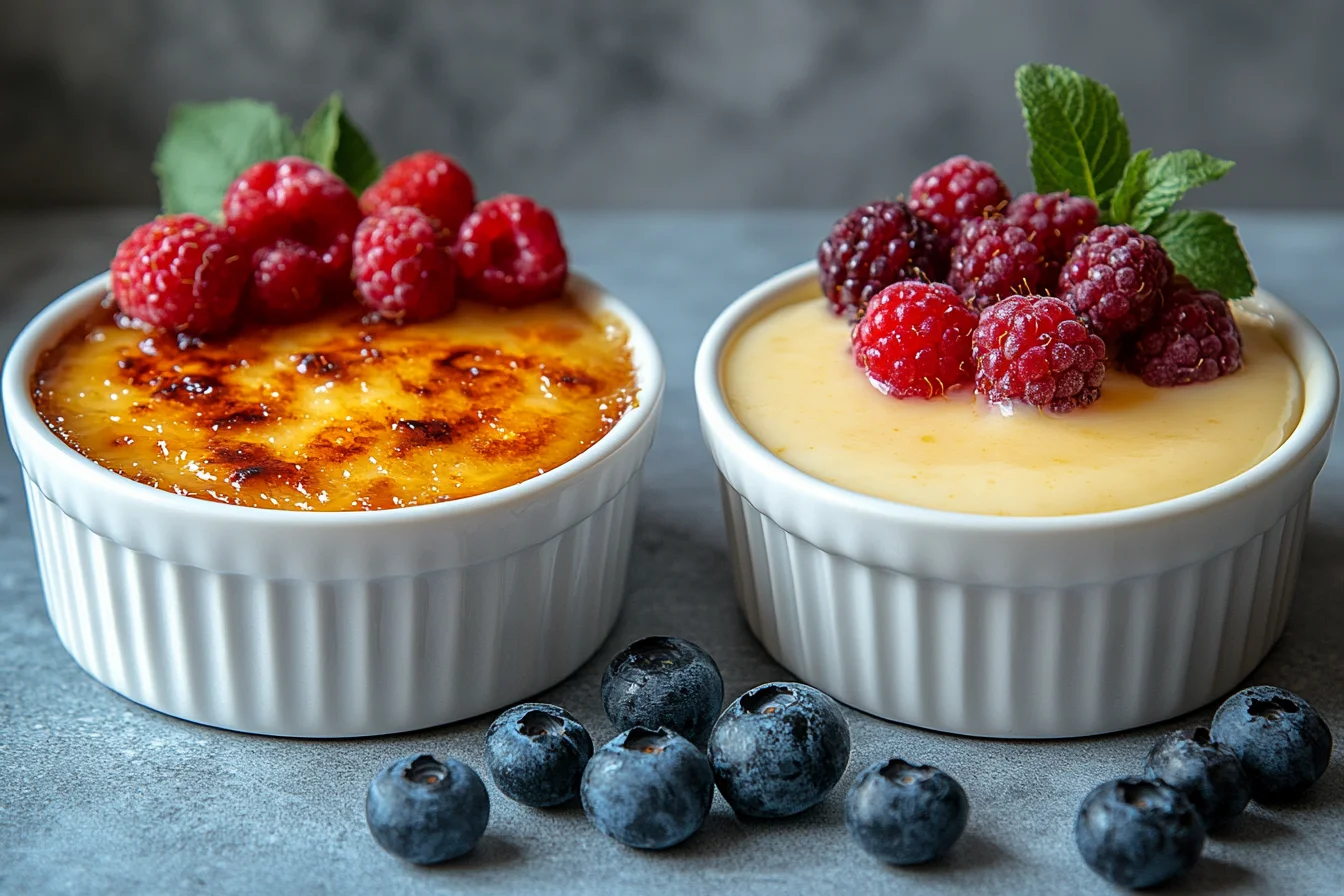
(510, 252)
(404, 268)
(295, 199)
(872, 247)
(1056, 222)
(1193, 339)
(914, 340)
(181, 273)
(1114, 279)
(994, 258)
(287, 282)
(1035, 350)
(431, 181)
(955, 191)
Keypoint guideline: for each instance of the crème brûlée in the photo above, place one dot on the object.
(341, 412)
(791, 381)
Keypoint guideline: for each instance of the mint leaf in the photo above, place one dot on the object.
(322, 132)
(207, 145)
(1133, 182)
(1205, 247)
(1079, 139)
(1168, 178)
(356, 162)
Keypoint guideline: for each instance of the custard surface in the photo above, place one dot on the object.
(791, 380)
(341, 412)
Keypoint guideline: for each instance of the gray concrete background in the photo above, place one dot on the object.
(99, 795)
(675, 103)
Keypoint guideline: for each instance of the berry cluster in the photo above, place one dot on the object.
(1026, 297)
(295, 239)
(774, 752)
(1265, 743)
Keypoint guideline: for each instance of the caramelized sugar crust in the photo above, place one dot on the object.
(343, 412)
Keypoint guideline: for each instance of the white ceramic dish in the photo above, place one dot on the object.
(1014, 626)
(330, 624)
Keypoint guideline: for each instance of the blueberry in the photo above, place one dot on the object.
(778, 749)
(663, 683)
(905, 814)
(1138, 833)
(1207, 773)
(427, 811)
(536, 753)
(649, 789)
(1283, 743)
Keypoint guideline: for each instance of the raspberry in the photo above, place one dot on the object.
(1056, 222)
(510, 252)
(404, 268)
(872, 247)
(1034, 349)
(1193, 339)
(1114, 279)
(299, 200)
(430, 181)
(955, 191)
(914, 340)
(180, 272)
(287, 282)
(994, 259)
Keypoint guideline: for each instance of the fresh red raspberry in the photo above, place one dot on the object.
(182, 273)
(872, 247)
(994, 259)
(404, 266)
(1034, 349)
(510, 252)
(1114, 279)
(431, 181)
(287, 282)
(914, 340)
(1193, 339)
(299, 200)
(1056, 222)
(955, 191)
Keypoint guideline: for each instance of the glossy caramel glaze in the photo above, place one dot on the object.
(342, 412)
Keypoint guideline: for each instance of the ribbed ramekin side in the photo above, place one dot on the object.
(1014, 662)
(336, 658)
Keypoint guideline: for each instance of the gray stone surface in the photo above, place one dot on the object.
(100, 795)
(675, 103)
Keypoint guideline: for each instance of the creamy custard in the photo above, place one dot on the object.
(791, 381)
(341, 412)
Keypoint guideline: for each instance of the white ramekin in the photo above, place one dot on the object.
(1014, 626)
(330, 624)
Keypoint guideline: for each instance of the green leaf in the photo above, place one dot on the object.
(356, 162)
(322, 132)
(207, 145)
(1168, 178)
(1079, 139)
(1205, 247)
(1127, 192)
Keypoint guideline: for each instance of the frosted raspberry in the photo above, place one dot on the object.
(1114, 279)
(181, 273)
(994, 259)
(955, 191)
(914, 340)
(295, 199)
(404, 268)
(872, 247)
(1034, 349)
(510, 252)
(1193, 339)
(430, 181)
(1056, 222)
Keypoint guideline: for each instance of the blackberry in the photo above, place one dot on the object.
(994, 259)
(872, 247)
(1114, 279)
(1193, 339)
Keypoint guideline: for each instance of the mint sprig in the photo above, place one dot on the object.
(207, 145)
(1080, 143)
